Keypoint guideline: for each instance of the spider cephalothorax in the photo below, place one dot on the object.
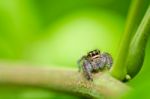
(93, 62)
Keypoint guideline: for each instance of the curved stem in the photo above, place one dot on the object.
(119, 69)
(136, 53)
(65, 80)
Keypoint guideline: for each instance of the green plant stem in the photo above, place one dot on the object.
(119, 69)
(65, 80)
(136, 53)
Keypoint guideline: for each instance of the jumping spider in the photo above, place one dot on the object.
(93, 62)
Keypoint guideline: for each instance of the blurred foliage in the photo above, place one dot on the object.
(59, 32)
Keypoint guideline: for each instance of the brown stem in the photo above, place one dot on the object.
(61, 79)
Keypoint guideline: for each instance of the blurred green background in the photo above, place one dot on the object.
(59, 32)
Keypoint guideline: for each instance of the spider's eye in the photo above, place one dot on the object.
(90, 54)
(93, 54)
(97, 51)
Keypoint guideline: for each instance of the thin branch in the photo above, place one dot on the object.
(60, 79)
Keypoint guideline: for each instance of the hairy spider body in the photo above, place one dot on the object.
(93, 62)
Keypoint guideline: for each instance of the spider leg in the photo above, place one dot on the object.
(102, 62)
(80, 63)
(87, 68)
(109, 60)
